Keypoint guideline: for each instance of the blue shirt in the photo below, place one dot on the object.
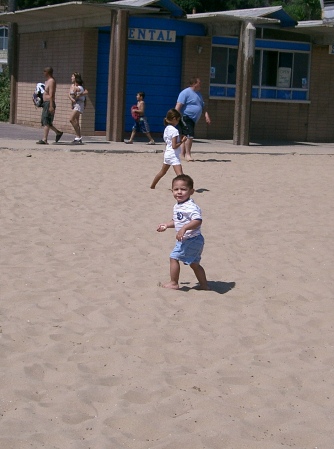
(193, 103)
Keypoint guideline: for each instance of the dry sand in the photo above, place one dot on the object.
(94, 355)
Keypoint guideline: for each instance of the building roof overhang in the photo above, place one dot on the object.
(168, 5)
(257, 16)
(230, 21)
(79, 14)
(82, 14)
(320, 31)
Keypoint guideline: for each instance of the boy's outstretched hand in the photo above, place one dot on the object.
(162, 227)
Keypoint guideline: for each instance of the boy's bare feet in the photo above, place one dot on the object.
(170, 285)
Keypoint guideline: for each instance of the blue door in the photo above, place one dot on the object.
(153, 67)
(102, 80)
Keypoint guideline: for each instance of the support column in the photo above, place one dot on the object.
(243, 97)
(13, 54)
(118, 57)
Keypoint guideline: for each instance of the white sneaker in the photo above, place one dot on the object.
(77, 140)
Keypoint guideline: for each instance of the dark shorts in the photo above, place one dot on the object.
(47, 117)
(141, 125)
(187, 126)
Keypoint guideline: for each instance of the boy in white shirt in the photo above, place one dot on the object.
(187, 220)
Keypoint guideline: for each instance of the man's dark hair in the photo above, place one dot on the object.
(193, 80)
(142, 94)
(186, 178)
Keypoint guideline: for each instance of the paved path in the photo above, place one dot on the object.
(16, 137)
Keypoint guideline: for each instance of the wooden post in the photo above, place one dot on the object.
(117, 75)
(243, 98)
(13, 55)
(238, 91)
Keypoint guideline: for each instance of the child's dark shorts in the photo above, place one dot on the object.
(141, 125)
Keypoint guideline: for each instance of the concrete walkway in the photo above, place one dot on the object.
(18, 137)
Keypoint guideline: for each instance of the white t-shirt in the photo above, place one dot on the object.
(183, 213)
(169, 133)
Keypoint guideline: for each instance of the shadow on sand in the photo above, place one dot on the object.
(215, 286)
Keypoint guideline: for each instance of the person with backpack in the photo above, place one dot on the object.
(49, 107)
(77, 95)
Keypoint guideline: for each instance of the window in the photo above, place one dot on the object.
(280, 69)
(3, 38)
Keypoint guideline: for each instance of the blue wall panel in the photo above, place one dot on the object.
(153, 67)
(102, 81)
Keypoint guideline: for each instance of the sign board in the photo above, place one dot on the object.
(150, 34)
(283, 77)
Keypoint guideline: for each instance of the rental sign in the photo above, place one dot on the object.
(149, 34)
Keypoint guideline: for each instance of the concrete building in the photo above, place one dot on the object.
(3, 46)
(264, 76)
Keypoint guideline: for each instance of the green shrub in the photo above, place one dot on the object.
(4, 95)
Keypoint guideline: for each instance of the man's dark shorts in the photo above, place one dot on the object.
(187, 127)
(47, 117)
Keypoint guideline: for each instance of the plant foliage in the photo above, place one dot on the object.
(4, 95)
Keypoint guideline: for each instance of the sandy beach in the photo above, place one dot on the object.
(95, 355)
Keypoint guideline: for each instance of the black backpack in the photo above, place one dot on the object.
(37, 96)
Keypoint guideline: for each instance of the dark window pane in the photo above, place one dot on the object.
(219, 65)
(300, 70)
(256, 68)
(285, 60)
(232, 66)
(269, 68)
